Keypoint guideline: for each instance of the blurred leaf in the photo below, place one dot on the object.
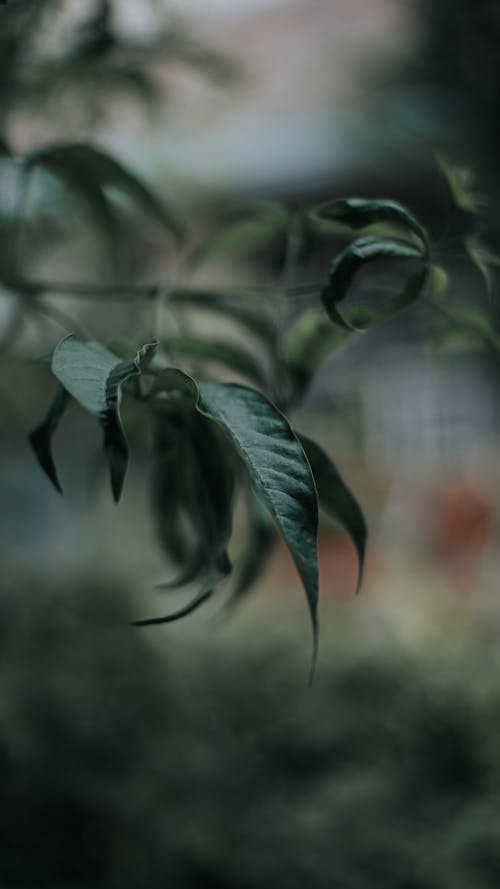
(255, 230)
(438, 280)
(231, 355)
(41, 437)
(361, 252)
(259, 543)
(89, 171)
(336, 499)
(460, 181)
(483, 259)
(312, 339)
(359, 213)
(234, 308)
(193, 492)
(279, 470)
(94, 377)
(94, 37)
(465, 328)
(219, 572)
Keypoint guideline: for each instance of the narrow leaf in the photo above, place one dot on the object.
(94, 376)
(41, 437)
(361, 252)
(260, 542)
(336, 499)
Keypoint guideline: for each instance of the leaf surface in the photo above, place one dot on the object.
(94, 377)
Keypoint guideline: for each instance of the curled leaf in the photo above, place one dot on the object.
(357, 255)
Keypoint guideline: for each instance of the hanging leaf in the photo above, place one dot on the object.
(312, 339)
(41, 437)
(94, 377)
(336, 499)
(88, 171)
(279, 470)
(359, 213)
(219, 351)
(361, 252)
(484, 260)
(260, 539)
(219, 573)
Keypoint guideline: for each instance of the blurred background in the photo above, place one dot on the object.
(195, 752)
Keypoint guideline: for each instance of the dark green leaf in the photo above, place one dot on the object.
(219, 573)
(360, 253)
(41, 437)
(219, 351)
(89, 171)
(279, 470)
(336, 498)
(260, 541)
(359, 213)
(94, 377)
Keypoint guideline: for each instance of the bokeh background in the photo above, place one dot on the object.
(195, 753)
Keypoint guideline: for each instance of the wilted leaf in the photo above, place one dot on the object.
(336, 498)
(94, 377)
(357, 255)
(41, 437)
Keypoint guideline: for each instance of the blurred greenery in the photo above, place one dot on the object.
(217, 767)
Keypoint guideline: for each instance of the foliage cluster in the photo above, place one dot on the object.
(220, 409)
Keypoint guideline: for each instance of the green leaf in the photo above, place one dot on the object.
(483, 258)
(336, 499)
(460, 181)
(219, 351)
(88, 171)
(235, 308)
(279, 470)
(312, 339)
(357, 255)
(260, 542)
(41, 437)
(219, 573)
(193, 491)
(94, 377)
(359, 213)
